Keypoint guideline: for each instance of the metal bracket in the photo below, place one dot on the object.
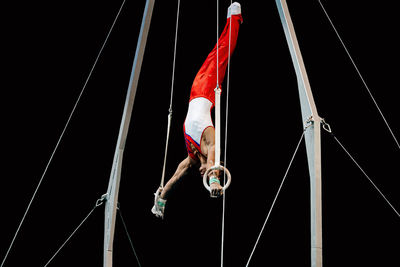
(309, 122)
(102, 199)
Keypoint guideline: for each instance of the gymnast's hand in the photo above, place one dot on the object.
(216, 189)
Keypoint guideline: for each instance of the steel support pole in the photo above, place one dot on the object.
(111, 197)
(312, 121)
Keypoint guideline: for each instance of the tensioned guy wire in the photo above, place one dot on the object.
(359, 74)
(98, 203)
(62, 134)
(365, 174)
(275, 198)
(129, 236)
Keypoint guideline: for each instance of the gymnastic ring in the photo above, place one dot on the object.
(222, 168)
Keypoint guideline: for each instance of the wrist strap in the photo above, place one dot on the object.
(161, 202)
(214, 179)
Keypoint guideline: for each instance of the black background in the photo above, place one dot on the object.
(49, 49)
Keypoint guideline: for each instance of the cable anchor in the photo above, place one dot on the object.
(101, 200)
(309, 122)
(326, 126)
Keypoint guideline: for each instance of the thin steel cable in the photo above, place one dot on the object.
(217, 85)
(359, 74)
(98, 203)
(61, 136)
(171, 97)
(226, 142)
(129, 237)
(276, 196)
(365, 174)
(223, 198)
(174, 60)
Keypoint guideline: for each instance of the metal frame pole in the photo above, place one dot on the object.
(312, 121)
(111, 196)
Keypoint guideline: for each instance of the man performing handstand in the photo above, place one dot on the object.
(198, 127)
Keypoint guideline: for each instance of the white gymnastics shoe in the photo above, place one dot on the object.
(234, 9)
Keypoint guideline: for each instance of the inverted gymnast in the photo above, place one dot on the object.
(198, 127)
